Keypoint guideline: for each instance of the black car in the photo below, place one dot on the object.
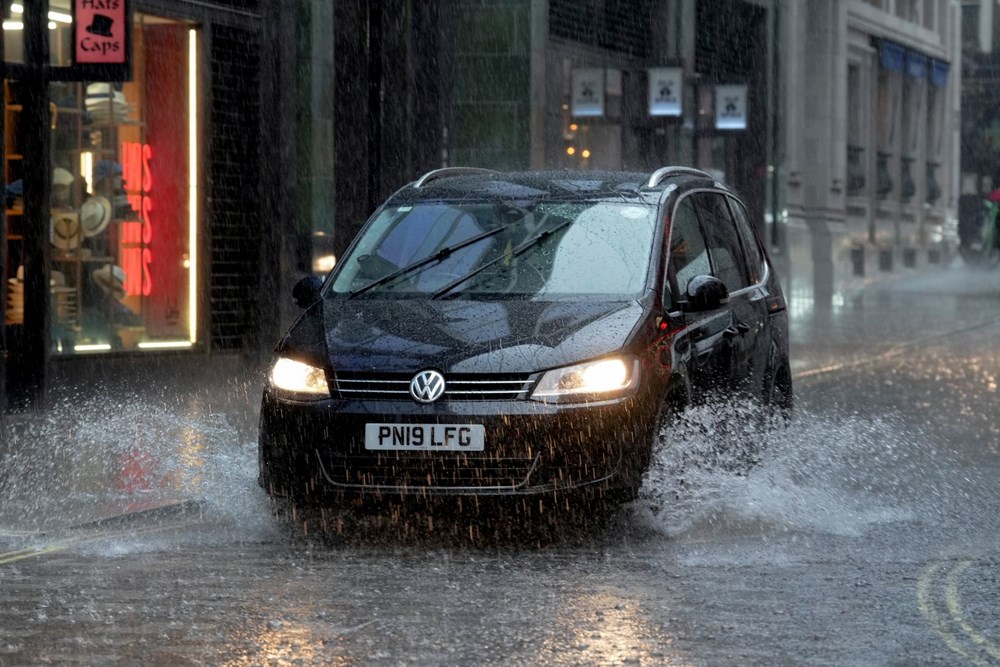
(528, 333)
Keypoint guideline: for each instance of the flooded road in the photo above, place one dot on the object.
(132, 530)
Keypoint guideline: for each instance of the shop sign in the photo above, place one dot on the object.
(137, 235)
(731, 107)
(588, 92)
(100, 28)
(665, 91)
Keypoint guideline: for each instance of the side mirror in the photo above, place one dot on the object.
(306, 291)
(706, 293)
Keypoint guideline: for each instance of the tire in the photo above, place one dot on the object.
(781, 398)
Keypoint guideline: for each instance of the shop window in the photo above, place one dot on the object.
(60, 24)
(124, 209)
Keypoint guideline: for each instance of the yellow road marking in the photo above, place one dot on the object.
(958, 615)
(30, 553)
(944, 624)
(62, 545)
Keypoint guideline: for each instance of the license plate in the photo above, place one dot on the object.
(421, 437)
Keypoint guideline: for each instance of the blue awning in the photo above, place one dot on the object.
(916, 64)
(891, 55)
(939, 73)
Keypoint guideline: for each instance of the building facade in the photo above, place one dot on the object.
(133, 218)
(869, 163)
(844, 141)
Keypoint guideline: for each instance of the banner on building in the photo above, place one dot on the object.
(665, 91)
(587, 92)
(731, 107)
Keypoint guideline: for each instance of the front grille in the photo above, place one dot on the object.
(458, 386)
(426, 470)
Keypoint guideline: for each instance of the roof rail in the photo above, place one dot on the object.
(663, 172)
(450, 171)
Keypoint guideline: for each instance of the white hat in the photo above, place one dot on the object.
(65, 229)
(95, 215)
(62, 177)
(111, 280)
(104, 102)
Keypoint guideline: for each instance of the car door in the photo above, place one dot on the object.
(745, 333)
(702, 346)
(757, 270)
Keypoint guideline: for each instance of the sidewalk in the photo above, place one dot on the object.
(893, 313)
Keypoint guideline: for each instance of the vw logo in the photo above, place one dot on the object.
(427, 386)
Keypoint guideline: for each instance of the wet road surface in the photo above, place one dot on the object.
(132, 531)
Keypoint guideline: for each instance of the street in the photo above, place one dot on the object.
(132, 530)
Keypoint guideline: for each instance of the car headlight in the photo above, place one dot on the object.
(298, 379)
(592, 381)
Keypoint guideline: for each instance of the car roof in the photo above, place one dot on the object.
(464, 183)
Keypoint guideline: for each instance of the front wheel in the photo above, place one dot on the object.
(781, 399)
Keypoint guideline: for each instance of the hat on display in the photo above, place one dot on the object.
(65, 230)
(62, 177)
(111, 280)
(95, 214)
(105, 168)
(105, 103)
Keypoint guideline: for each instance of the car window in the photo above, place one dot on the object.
(728, 263)
(538, 249)
(688, 251)
(605, 251)
(751, 248)
(404, 235)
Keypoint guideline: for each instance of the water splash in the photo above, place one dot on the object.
(834, 475)
(88, 458)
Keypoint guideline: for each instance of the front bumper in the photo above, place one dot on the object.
(310, 451)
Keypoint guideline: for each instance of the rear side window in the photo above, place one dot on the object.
(755, 258)
(688, 251)
(728, 263)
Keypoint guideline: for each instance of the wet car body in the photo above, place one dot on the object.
(493, 430)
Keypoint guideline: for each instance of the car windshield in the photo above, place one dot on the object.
(547, 249)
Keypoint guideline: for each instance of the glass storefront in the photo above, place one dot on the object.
(124, 214)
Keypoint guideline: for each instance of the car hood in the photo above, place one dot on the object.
(459, 336)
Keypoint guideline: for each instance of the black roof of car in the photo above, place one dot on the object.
(458, 183)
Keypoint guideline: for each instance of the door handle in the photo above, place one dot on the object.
(737, 330)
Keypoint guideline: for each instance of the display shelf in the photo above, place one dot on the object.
(76, 258)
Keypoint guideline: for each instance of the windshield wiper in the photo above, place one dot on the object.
(520, 249)
(439, 256)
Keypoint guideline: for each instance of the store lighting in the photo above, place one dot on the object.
(58, 17)
(97, 347)
(193, 184)
(52, 25)
(324, 263)
(87, 170)
(13, 25)
(585, 153)
(570, 150)
(165, 344)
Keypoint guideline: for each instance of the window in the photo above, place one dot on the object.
(755, 258)
(541, 249)
(688, 251)
(728, 263)
(124, 206)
